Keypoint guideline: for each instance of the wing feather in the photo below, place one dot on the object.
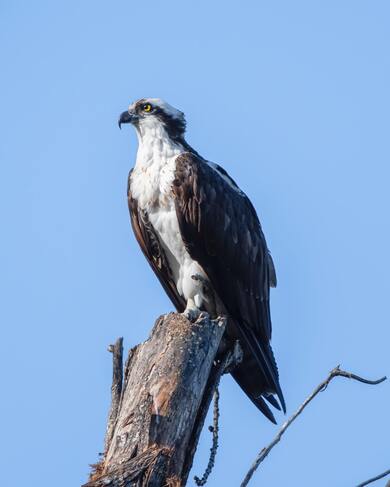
(221, 230)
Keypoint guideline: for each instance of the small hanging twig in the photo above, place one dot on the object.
(213, 450)
(374, 479)
(228, 363)
(336, 372)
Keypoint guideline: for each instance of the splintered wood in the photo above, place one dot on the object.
(159, 407)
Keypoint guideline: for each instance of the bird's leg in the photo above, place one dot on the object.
(206, 293)
(192, 312)
(200, 298)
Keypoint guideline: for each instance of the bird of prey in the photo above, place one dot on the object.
(203, 239)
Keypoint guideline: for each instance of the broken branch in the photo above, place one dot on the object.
(116, 389)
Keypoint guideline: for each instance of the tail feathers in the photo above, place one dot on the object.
(257, 401)
(262, 405)
(265, 361)
(273, 401)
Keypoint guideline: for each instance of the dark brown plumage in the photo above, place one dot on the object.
(222, 232)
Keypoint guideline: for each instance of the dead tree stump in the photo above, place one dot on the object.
(160, 403)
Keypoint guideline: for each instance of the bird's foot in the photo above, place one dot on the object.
(192, 314)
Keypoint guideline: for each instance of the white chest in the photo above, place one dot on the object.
(154, 171)
(151, 185)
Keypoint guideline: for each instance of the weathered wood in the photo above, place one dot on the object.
(168, 384)
(116, 389)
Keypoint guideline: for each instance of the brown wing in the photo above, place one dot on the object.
(152, 249)
(222, 232)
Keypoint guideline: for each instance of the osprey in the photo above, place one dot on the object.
(203, 239)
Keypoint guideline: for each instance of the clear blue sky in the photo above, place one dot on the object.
(292, 98)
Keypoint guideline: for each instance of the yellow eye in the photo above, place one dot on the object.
(147, 107)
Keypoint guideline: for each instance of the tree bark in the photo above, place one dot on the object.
(159, 406)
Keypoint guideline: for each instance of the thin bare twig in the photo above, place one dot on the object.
(336, 372)
(374, 479)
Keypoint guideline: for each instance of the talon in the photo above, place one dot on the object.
(203, 315)
(192, 314)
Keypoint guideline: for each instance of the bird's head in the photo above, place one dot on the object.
(152, 115)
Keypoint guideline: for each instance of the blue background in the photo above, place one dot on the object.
(292, 98)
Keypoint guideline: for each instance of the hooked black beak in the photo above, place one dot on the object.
(127, 117)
